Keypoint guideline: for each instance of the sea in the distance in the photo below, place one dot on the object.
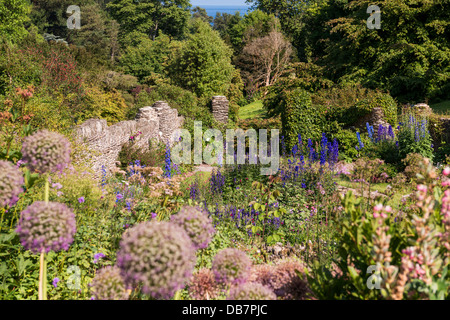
(212, 10)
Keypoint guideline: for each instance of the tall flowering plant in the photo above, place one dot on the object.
(402, 256)
(46, 226)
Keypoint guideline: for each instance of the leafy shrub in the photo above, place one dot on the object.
(347, 144)
(119, 81)
(106, 105)
(301, 117)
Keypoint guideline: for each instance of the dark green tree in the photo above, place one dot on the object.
(149, 17)
(198, 12)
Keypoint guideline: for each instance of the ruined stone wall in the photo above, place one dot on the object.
(155, 122)
(220, 106)
(374, 118)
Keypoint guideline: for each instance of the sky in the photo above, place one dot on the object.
(218, 3)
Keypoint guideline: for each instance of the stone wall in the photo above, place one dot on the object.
(374, 118)
(155, 122)
(220, 106)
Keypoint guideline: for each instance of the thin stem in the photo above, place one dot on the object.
(46, 190)
(43, 277)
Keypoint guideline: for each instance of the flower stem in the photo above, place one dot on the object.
(43, 277)
(46, 191)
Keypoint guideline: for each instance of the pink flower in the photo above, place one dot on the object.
(421, 187)
(378, 207)
(446, 171)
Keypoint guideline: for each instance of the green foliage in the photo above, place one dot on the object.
(255, 24)
(306, 76)
(203, 64)
(105, 105)
(98, 33)
(200, 13)
(347, 144)
(392, 58)
(13, 15)
(147, 57)
(301, 117)
(150, 17)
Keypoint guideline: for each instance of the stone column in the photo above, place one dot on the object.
(220, 106)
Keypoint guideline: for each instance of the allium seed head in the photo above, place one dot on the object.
(231, 266)
(251, 291)
(160, 255)
(46, 226)
(46, 151)
(11, 181)
(108, 285)
(196, 223)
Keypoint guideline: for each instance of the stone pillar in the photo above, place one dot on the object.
(168, 120)
(220, 106)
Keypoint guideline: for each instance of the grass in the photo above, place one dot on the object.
(203, 178)
(252, 110)
(441, 107)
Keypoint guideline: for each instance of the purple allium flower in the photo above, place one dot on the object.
(81, 200)
(55, 282)
(11, 181)
(154, 215)
(251, 291)
(108, 284)
(46, 226)
(46, 151)
(231, 266)
(98, 256)
(159, 255)
(197, 224)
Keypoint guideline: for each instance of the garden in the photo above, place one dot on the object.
(359, 208)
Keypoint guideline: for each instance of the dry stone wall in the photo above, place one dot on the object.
(220, 106)
(154, 122)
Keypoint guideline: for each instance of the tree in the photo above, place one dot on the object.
(203, 64)
(409, 56)
(98, 33)
(254, 25)
(151, 16)
(147, 58)
(223, 22)
(268, 57)
(198, 12)
(13, 15)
